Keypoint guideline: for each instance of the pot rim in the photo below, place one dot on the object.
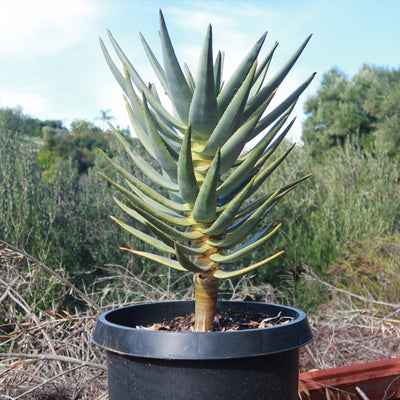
(116, 331)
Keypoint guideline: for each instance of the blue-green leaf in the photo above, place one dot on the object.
(188, 186)
(203, 114)
(261, 73)
(229, 214)
(249, 222)
(144, 237)
(162, 207)
(186, 263)
(218, 66)
(143, 187)
(169, 241)
(236, 80)
(144, 166)
(231, 150)
(189, 77)
(159, 146)
(205, 207)
(181, 95)
(287, 104)
(138, 205)
(138, 81)
(276, 80)
(233, 274)
(229, 121)
(245, 250)
(138, 128)
(155, 64)
(246, 167)
(160, 259)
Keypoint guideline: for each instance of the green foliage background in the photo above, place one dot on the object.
(365, 108)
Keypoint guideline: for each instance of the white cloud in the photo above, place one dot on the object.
(32, 104)
(30, 27)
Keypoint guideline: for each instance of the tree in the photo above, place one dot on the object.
(104, 118)
(365, 109)
(15, 122)
(78, 148)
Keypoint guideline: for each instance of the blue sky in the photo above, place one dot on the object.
(51, 64)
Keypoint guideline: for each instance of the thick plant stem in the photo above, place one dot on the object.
(205, 302)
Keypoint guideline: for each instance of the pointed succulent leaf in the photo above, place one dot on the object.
(262, 72)
(144, 166)
(288, 103)
(143, 187)
(247, 212)
(228, 122)
(284, 190)
(236, 235)
(224, 199)
(153, 90)
(205, 207)
(236, 80)
(181, 95)
(228, 215)
(203, 114)
(189, 77)
(144, 237)
(142, 207)
(218, 65)
(169, 241)
(138, 121)
(141, 85)
(234, 274)
(153, 203)
(159, 146)
(115, 71)
(161, 235)
(251, 211)
(164, 125)
(231, 150)
(143, 216)
(266, 172)
(160, 259)
(245, 250)
(119, 187)
(139, 130)
(159, 198)
(187, 263)
(163, 212)
(268, 144)
(170, 231)
(272, 148)
(188, 186)
(266, 91)
(157, 68)
(246, 167)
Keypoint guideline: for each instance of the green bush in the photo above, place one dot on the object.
(352, 197)
(63, 222)
(370, 268)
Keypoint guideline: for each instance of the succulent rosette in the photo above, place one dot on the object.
(202, 211)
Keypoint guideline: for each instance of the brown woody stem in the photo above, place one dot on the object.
(205, 302)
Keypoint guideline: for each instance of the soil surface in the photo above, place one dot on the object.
(230, 320)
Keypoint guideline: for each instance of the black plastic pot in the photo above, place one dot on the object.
(249, 364)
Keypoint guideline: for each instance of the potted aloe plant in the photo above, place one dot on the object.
(201, 214)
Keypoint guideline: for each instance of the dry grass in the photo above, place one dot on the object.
(46, 352)
(351, 329)
(45, 349)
